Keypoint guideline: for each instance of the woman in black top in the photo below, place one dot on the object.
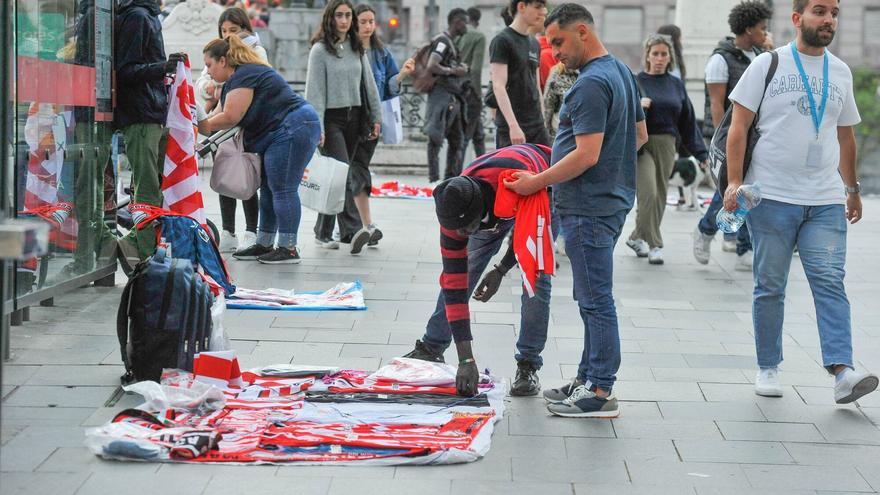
(669, 116)
(280, 126)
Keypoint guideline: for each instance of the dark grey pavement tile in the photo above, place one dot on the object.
(711, 411)
(733, 452)
(666, 429)
(43, 483)
(807, 477)
(767, 431)
(684, 474)
(624, 449)
(597, 470)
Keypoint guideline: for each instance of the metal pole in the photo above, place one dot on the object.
(6, 47)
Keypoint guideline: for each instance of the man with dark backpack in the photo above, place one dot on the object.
(748, 22)
(445, 117)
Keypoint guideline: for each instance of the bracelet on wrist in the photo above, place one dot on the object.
(467, 361)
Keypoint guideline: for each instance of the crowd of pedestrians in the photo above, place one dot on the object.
(572, 122)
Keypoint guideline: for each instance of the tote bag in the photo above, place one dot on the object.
(322, 188)
(392, 121)
(236, 173)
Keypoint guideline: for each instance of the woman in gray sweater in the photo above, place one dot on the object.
(338, 67)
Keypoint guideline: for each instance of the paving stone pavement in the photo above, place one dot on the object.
(690, 422)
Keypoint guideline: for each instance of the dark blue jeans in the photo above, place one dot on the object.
(535, 313)
(589, 242)
(285, 151)
(709, 226)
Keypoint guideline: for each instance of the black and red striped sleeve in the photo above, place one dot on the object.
(454, 283)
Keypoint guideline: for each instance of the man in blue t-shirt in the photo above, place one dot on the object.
(601, 127)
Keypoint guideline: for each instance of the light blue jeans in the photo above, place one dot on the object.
(819, 232)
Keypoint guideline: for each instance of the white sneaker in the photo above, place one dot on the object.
(327, 243)
(247, 240)
(655, 256)
(853, 386)
(767, 383)
(639, 246)
(702, 246)
(744, 262)
(728, 246)
(228, 242)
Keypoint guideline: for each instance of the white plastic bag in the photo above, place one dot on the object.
(200, 398)
(392, 121)
(322, 188)
(219, 341)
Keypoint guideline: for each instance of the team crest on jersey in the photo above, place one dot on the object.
(203, 235)
(803, 105)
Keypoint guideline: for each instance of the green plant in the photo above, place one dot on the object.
(865, 87)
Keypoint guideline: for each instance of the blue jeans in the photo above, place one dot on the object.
(535, 313)
(709, 226)
(589, 242)
(285, 151)
(819, 232)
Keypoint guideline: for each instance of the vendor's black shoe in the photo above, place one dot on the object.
(422, 352)
(252, 252)
(280, 256)
(375, 237)
(526, 382)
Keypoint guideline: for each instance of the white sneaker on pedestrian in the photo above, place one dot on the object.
(851, 385)
(702, 246)
(327, 243)
(639, 246)
(228, 242)
(359, 240)
(767, 383)
(247, 239)
(744, 262)
(655, 256)
(728, 246)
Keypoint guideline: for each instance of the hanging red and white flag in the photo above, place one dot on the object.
(181, 184)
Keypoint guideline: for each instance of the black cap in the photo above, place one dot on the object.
(459, 202)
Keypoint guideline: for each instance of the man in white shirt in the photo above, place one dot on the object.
(805, 161)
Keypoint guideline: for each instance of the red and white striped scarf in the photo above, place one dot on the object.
(181, 184)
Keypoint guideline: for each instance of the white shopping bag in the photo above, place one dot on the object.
(323, 185)
(392, 121)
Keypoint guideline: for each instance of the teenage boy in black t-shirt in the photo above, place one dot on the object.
(514, 59)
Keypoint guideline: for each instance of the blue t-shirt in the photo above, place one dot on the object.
(273, 99)
(603, 99)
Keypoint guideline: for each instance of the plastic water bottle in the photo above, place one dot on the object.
(748, 196)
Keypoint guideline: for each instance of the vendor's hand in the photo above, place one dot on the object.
(853, 207)
(173, 60)
(460, 70)
(467, 379)
(730, 196)
(646, 102)
(517, 136)
(374, 134)
(489, 285)
(524, 183)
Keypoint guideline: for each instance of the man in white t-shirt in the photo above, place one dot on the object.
(805, 162)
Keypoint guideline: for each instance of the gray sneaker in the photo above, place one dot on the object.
(583, 403)
(557, 395)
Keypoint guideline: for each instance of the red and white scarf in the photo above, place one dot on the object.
(181, 184)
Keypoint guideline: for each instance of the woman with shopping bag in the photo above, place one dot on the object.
(340, 84)
(388, 79)
(233, 22)
(280, 126)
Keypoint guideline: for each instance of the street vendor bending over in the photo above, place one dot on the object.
(475, 216)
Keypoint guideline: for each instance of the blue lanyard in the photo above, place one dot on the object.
(817, 116)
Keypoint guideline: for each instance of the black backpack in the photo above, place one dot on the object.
(718, 146)
(164, 317)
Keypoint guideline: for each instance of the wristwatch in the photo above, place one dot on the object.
(853, 189)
